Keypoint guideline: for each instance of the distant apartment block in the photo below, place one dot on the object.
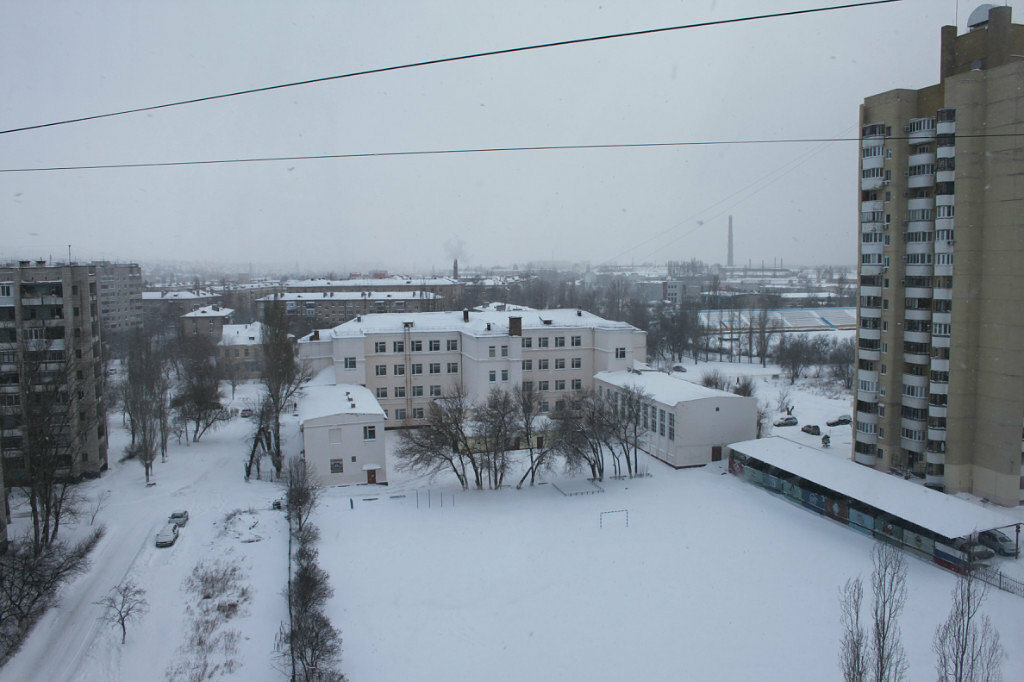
(242, 298)
(161, 309)
(409, 359)
(50, 327)
(120, 297)
(334, 307)
(448, 288)
(940, 357)
(241, 349)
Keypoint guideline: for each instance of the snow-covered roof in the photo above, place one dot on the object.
(371, 282)
(175, 295)
(353, 296)
(242, 334)
(663, 388)
(943, 514)
(479, 321)
(210, 311)
(319, 401)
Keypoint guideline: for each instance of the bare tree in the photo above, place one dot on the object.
(302, 490)
(841, 357)
(125, 603)
(745, 386)
(537, 438)
(889, 595)
(141, 396)
(52, 430)
(967, 647)
(627, 425)
(97, 506)
(583, 432)
(444, 442)
(198, 398)
(766, 329)
(853, 649)
(763, 419)
(794, 353)
(714, 379)
(281, 373)
(494, 426)
(262, 438)
(783, 402)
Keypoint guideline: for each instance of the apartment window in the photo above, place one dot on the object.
(399, 370)
(661, 422)
(491, 351)
(671, 426)
(492, 375)
(504, 375)
(399, 391)
(416, 346)
(543, 364)
(453, 344)
(417, 391)
(577, 384)
(370, 433)
(5, 289)
(434, 345)
(380, 370)
(435, 391)
(435, 368)
(559, 342)
(527, 386)
(883, 368)
(382, 391)
(398, 346)
(543, 407)
(417, 413)
(350, 363)
(542, 385)
(576, 341)
(527, 342)
(504, 351)
(453, 368)
(542, 342)
(417, 368)
(577, 363)
(869, 429)
(560, 385)
(620, 353)
(946, 211)
(400, 414)
(380, 347)
(559, 363)
(527, 365)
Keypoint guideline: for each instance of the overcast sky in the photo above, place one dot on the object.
(795, 77)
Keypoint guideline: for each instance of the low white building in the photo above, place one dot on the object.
(687, 424)
(342, 429)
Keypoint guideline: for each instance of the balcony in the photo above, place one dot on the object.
(945, 127)
(940, 342)
(923, 180)
(872, 162)
(913, 425)
(871, 291)
(936, 434)
(915, 380)
(873, 334)
(920, 314)
(871, 183)
(938, 388)
(940, 365)
(865, 354)
(936, 410)
(870, 312)
(867, 375)
(916, 358)
(918, 292)
(917, 337)
(872, 206)
(874, 247)
(945, 152)
(912, 445)
(919, 159)
(943, 270)
(919, 203)
(865, 459)
(945, 176)
(866, 418)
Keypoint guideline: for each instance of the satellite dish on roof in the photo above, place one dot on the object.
(979, 17)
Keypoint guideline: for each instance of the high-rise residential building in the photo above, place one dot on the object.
(120, 297)
(940, 357)
(50, 345)
(409, 359)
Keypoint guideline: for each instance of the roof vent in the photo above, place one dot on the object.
(978, 19)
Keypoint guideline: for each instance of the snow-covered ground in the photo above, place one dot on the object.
(712, 578)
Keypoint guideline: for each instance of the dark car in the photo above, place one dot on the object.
(167, 535)
(785, 421)
(812, 429)
(178, 518)
(841, 420)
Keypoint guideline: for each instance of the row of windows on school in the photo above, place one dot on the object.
(654, 419)
(434, 345)
(416, 368)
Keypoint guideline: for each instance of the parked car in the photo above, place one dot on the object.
(785, 421)
(841, 420)
(998, 541)
(246, 412)
(167, 535)
(975, 551)
(178, 518)
(678, 368)
(812, 429)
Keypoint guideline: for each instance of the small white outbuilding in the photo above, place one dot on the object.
(686, 424)
(343, 434)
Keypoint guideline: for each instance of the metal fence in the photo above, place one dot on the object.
(997, 579)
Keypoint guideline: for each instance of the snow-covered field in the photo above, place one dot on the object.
(712, 578)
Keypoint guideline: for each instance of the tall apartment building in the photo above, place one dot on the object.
(941, 313)
(408, 359)
(120, 297)
(50, 327)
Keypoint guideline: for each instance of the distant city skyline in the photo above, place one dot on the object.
(786, 78)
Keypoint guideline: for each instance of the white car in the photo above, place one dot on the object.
(178, 518)
(167, 535)
(993, 539)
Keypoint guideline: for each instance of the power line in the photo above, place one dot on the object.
(444, 60)
(478, 150)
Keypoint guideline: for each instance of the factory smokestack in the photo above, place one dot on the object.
(729, 260)
(455, 269)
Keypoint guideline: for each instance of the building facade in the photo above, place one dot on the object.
(334, 307)
(50, 340)
(120, 297)
(241, 350)
(208, 321)
(406, 360)
(343, 435)
(685, 425)
(940, 356)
